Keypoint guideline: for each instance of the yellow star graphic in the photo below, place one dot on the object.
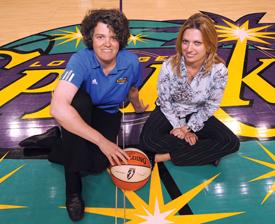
(2, 179)
(156, 211)
(267, 175)
(135, 38)
(233, 32)
(68, 36)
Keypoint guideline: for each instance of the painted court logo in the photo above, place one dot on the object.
(31, 67)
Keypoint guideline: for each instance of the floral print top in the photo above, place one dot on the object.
(201, 98)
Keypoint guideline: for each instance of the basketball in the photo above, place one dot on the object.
(135, 174)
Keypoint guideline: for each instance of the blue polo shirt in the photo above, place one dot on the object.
(106, 92)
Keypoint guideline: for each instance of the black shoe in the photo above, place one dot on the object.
(216, 162)
(44, 140)
(75, 207)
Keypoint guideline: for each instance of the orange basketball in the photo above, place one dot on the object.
(135, 174)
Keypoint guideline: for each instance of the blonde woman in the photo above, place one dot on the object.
(191, 84)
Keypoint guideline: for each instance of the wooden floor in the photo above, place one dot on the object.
(21, 18)
(240, 190)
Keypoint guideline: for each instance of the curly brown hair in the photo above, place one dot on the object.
(115, 20)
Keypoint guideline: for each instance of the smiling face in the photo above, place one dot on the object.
(105, 45)
(193, 48)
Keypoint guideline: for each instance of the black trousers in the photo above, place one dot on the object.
(215, 140)
(79, 155)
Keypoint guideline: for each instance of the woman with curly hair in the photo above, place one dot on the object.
(87, 98)
(191, 84)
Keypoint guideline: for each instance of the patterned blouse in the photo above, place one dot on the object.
(201, 98)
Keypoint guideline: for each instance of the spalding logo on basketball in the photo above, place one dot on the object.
(135, 174)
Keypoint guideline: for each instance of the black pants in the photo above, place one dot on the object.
(81, 155)
(215, 140)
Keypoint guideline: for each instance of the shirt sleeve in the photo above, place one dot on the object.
(75, 71)
(164, 96)
(137, 72)
(218, 83)
(138, 75)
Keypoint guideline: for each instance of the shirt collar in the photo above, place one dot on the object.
(121, 61)
(183, 67)
(95, 63)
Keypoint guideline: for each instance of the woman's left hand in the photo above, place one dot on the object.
(136, 102)
(140, 108)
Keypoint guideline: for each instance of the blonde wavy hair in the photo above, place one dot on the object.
(210, 39)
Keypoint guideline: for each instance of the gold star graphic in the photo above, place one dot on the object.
(267, 175)
(243, 33)
(2, 179)
(68, 36)
(136, 38)
(156, 211)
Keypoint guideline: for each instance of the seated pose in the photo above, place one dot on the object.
(86, 103)
(191, 84)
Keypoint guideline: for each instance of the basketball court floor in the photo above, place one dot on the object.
(37, 39)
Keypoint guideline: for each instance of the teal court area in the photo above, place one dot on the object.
(239, 190)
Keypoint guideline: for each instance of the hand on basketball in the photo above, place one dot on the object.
(114, 153)
(191, 138)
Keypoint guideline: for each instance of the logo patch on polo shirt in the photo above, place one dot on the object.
(94, 82)
(122, 80)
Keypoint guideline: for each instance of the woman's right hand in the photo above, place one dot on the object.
(191, 138)
(180, 132)
(185, 129)
(113, 152)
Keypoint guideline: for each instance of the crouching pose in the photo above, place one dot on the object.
(87, 98)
